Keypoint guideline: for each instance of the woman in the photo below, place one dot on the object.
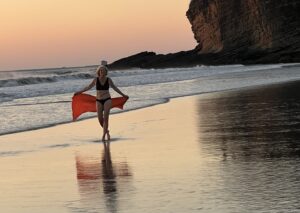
(103, 83)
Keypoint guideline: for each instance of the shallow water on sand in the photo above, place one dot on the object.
(243, 156)
(235, 151)
(256, 136)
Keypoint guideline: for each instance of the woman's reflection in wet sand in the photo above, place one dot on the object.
(100, 181)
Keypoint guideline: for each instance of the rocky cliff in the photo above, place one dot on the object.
(247, 26)
(234, 31)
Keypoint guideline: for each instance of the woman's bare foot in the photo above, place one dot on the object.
(103, 138)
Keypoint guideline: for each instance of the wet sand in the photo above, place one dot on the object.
(235, 151)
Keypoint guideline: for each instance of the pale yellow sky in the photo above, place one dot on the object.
(55, 33)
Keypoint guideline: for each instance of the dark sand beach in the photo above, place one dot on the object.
(234, 151)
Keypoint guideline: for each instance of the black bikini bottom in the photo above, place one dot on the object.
(102, 101)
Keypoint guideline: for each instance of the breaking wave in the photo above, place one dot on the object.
(39, 80)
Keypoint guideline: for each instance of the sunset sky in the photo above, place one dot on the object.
(56, 33)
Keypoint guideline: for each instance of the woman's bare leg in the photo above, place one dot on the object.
(107, 107)
(100, 113)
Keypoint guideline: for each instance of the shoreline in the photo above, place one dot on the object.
(163, 102)
(194, 153)
(66, 168)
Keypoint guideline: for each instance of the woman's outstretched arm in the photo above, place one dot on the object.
(91, 85)
(112, 85)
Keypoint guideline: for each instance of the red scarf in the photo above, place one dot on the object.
(87, 103)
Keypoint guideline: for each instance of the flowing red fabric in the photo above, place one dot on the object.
(87, 103)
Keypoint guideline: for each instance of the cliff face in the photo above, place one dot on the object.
(233, 31)
(234, 26)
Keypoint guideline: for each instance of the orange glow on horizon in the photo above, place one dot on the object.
(54, 33)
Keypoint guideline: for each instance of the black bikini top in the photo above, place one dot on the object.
(99, 86)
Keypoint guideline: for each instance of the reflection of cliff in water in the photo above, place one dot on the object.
(262, 122)
(101, 179)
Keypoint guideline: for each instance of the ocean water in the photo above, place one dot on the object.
(239, 150)
(32, 99)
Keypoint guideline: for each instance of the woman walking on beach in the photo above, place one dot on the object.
(104, 102)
